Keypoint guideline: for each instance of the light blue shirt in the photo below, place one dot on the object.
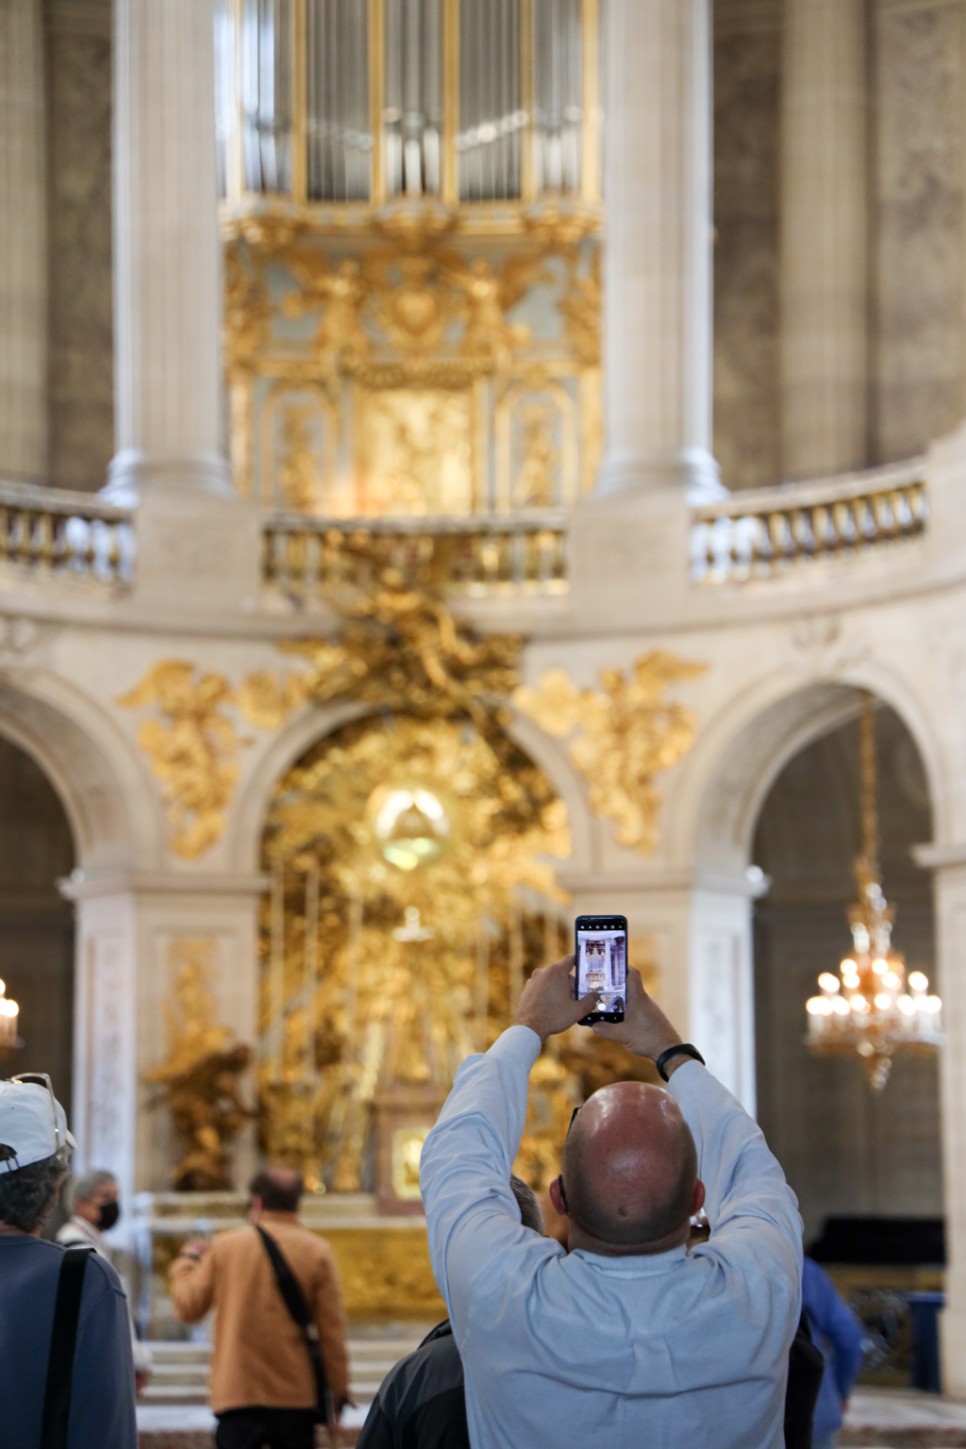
(674, 1350)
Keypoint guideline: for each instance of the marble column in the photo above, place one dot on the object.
(167, 287)
(197, 542)
(823, 238)
(948, 864)
(657, 272)
(23, 245)
(139, 939)
(691, 935)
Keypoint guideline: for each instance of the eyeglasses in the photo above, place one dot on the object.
(563, 1190)
(41, 1079)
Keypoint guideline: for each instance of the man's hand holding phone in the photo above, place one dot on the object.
(645, 1029)
(547, 1003)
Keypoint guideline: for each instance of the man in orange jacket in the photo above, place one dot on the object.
(263, 1389)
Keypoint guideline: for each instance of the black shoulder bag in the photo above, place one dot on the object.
(302, 1316)
(63, 1341)
(806, 1365)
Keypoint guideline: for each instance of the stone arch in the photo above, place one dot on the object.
(739, 754)
(313, 724)
(92, 769)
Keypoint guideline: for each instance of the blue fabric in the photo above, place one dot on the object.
(102, 1401)
(838, 1333)
(663, 1350)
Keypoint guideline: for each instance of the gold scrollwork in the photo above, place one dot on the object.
(434, 315)
(193, 748)
(199, 1080)
(621, 737)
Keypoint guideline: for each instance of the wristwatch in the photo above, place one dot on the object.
(684, 1049)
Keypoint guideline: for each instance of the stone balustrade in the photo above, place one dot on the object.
(52, 531)
(304, 557)
(754, 534)
(763, 533)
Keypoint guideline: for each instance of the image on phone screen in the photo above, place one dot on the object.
(601, 952)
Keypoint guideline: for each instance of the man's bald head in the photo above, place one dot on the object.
(630, 1169)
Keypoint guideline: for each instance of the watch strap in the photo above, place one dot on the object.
(683, 1048)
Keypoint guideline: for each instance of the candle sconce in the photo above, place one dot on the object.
(9, 1019)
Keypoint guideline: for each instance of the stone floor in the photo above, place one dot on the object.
(878, 1419)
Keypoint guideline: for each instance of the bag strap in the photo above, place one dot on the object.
(63, 1341)
(301, 1314)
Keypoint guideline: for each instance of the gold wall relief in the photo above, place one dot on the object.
(410, 345)
(199, 1081)
(412, 892)
(621, 737)
(193, 747)
(415, 451)
(399, 648)
(535, 433)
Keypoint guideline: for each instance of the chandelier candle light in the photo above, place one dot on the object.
(9, 1017)
(871, 1008)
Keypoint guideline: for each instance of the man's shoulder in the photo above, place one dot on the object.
(291, 1229)
(434, 1368)
(234, 1240)
(38, 1258)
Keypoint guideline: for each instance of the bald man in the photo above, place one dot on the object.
(629, 1338)
(263, 1390)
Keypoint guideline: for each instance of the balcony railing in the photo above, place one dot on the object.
(49, 531)
(761, 534)
(307, 559)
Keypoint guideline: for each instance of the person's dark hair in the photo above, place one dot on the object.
(530, 1214)
(658, 1216)
(279, 1189)
(28, 1196)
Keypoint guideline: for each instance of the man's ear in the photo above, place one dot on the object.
(557, 1197)
(698, 1203)
(255, 1208)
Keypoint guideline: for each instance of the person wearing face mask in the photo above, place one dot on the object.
(95, 1209)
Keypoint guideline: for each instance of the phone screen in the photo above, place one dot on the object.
(601, 952)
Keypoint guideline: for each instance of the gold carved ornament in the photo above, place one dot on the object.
(199, 1080)
(621, 737)
(193, 748)
(423, 323)
(400, 648)
(413, 839)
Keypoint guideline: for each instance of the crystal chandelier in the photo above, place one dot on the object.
(871, 1008)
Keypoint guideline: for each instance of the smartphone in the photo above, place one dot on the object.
(600, 950)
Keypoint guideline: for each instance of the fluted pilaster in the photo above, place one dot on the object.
(657, 277)
(824, 240)
(23, 245)
(166, 249)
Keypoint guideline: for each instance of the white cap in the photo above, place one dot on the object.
(33, 1124)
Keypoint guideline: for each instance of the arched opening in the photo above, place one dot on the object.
(413, 867)
(36, 925)
(846, 1151)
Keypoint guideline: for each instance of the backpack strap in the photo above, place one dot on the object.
(63, 1341)
(302, 1316)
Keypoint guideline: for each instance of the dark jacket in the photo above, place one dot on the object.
(420, 1403)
